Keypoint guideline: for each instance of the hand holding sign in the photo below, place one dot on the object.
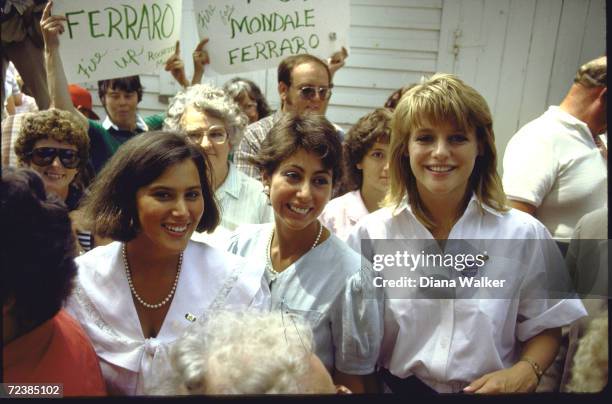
(52, 26)
(176, 67)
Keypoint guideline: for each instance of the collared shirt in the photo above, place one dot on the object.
(330, 289)
(102, 303)
(105, 138)
(448, 343)
(250, 144)
(554, 164)
(241, 200)
(341, 213)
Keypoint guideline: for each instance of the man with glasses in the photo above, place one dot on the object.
(305, 86)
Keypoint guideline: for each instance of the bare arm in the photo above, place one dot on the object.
(52, 27)
(521, 378)
(176, 67)
(200, 60)
(524, 206)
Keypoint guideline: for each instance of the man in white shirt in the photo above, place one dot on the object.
(555, 166)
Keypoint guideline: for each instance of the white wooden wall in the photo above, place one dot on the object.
(520, 54)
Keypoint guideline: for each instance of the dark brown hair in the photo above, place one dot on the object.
(110, 208)
(127, 84)
(39, 281)
(369, 129)
(312, 133)
(286, 66)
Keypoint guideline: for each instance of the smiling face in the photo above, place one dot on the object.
(56, 177)
(442, 158)
(309, 74)
(121, 107)
(170, 208)
(375, 169)
(299, 190)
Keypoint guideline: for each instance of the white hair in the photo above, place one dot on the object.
(244, 353)
(590, 367)
(212, 101)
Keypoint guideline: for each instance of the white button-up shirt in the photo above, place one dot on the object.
(448, 343)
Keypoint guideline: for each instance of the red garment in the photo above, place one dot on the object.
(58, 351)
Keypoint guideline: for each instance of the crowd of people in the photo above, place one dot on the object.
(221, 247)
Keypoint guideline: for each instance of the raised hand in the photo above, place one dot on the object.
(176, 67)
(200, 59)
(52, 27)
(337, 60)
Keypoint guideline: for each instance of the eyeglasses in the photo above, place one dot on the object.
(309, 92)
(215, 134)
(44, 156)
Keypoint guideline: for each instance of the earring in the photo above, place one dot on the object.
(266, 190)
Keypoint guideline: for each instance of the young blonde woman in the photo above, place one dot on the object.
(444, 188)
(311, 272)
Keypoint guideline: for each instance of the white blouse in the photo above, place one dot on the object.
(102, 303)
(449, 342)
(341, 213)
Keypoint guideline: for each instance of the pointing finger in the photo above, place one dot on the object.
(201, 45)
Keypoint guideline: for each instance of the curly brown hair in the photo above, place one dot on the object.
(52, 124)
(369, 129)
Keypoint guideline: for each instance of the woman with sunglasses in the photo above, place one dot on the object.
(54, 145)
(446, 201)
(311, 272)
(212, 120)
(135, 296)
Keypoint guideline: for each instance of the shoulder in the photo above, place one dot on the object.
(247, 237)
(250, 185)
(201, 252)
(517, 224)
(99, 258)
(258, 130)
(337, 253)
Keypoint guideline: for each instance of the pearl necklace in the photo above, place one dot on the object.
(269, 249)
(138, 298)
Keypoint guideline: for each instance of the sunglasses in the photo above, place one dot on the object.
(310, 92)
(215, 134)
(44, 156)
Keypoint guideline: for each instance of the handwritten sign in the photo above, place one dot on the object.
(105, 39)
(248, 35)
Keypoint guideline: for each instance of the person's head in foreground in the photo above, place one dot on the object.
(249, 97)
(248, 353)
(212, 120)
(37, 258)
(300, 162)
(53, 144)
(152, 194)
(443, 149)
(366, 152)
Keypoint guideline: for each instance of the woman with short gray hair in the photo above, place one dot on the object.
(210, 118)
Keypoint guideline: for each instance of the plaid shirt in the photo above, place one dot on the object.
(11, 126)
(254, 135)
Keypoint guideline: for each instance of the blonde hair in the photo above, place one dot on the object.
(443, 98)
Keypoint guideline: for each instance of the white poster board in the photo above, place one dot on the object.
(247, 35)
(106, 39)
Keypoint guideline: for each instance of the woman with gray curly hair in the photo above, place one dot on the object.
(247, 352)
(214, 121)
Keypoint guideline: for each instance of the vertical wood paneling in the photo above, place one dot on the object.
(513, 69)
(539, 64)
(567, 49)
